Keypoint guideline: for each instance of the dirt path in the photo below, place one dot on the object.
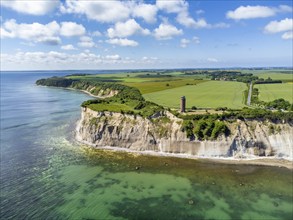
(249, 94)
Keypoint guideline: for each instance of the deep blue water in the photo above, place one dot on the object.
(45, 174)
(32, 117)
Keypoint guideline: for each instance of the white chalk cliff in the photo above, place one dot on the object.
(247, 138)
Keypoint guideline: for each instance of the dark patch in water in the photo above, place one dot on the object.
(153, 208)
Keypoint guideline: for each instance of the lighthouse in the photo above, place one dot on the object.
(183, 104)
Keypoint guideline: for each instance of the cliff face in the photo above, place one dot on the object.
(163, 134)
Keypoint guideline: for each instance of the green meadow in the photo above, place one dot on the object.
(210, 94)
(276, 75)
(159, 85)
(270, 92)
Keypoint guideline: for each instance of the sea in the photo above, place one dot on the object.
(46, 174)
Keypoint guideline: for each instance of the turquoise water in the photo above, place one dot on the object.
(45, 174)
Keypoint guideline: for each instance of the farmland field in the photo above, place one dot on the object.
(270, 92)
(155, 86)
(211, 94)
(276, 76)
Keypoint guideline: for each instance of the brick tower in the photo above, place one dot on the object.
(183, 104)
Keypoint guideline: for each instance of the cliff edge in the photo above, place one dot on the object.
(163, 133)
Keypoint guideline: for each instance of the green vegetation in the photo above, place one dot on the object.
(270, 92)
(224, 75)
(210, 94)
(211, 126)
(244, 114)
(124, 106)
(281, 75)
(164, 88)
(55, 81)
(205, 129)
(128, 99)
(155, 86)
(280, 104)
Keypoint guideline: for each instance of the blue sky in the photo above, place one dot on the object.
(73, 34)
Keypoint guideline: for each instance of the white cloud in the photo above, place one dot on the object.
(97, 34)
(221, 25)
(41, 33)
(102, 11)
(166, 31)
(146, 11)
(68, 47)
(184, 42)
(199, 12)
(284, 8)
(180, 7)
(86, 42)
(36, 7)
(172, 6)
(250, 12)
(285, 25)
(122, 42)
(149, 60)
(288, 35)
(212, 60)
(6, 34)
(126, 29)
(36, 32)
(113, 57)
(279, 26)
(184, 19)
(196, 40)
(70, 29)
(57, 60)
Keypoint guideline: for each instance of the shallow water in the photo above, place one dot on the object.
(45, 174)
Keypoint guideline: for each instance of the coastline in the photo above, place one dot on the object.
(250, 160)
(79, 90)
(257, 161)
(86, 92)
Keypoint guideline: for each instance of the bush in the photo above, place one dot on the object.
(279, 104)
(220, 128)
(140, 105)
(88, 102)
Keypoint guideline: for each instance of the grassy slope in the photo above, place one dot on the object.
(270, 92)
(209, 94)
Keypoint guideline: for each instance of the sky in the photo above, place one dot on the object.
(112, 34)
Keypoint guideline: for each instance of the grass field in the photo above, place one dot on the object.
(129, 76)
(159, 85)
(270, 92)
(210, 94)
(276, 76)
